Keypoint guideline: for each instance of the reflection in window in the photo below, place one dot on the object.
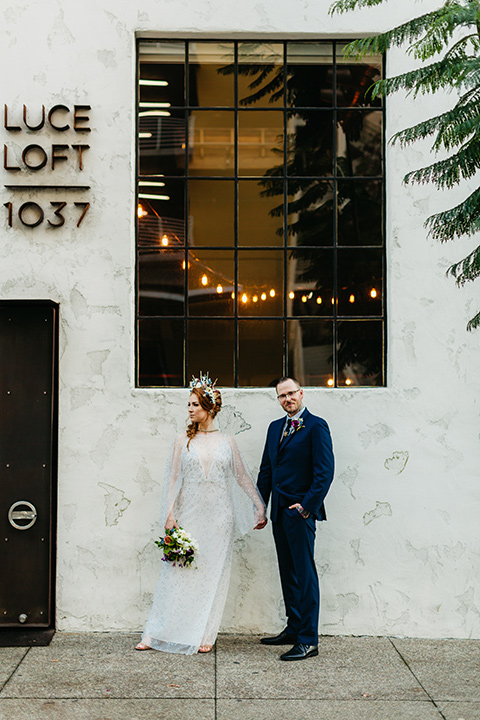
(260, 215)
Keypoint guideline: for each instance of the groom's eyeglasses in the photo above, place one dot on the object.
(287, 396)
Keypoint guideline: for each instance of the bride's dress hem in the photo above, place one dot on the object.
(170, 647)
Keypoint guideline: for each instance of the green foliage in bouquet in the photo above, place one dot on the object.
(178, 547)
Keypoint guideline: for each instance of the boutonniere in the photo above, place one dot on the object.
(297, 425)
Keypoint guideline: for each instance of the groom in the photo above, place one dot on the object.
(295, 474)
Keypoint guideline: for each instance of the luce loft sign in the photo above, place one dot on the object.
(35, 157)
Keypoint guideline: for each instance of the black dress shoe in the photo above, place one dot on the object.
(284, 638)
(300, 651)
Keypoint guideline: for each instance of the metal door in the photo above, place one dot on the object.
(28, 460)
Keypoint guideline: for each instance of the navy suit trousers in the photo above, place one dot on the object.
(295, 542)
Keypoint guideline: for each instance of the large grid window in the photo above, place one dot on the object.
(260, 214)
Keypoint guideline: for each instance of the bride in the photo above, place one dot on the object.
(210, 493)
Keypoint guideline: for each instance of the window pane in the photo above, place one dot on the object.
(160, 352)
(211, 74)
(360, 282)
(310, 143)
(310, 75)
(260, 352)
(354, 79)
(310, 351)
(260, 212)
(260, 74)
(310, 282)
(211, 345)
(260, 142)
(161, 212)
(211, 212)
(161, 282)
(359, 142)
(162, 73)
(360, 352)
(210, 282)
(360, 212)
(310, 212)
(260, 282)
(162, 142)
(211, 142)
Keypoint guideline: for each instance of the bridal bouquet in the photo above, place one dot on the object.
(178, 547)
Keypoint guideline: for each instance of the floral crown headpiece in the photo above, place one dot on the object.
(206, 384)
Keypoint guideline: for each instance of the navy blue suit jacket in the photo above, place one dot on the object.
(300, 470)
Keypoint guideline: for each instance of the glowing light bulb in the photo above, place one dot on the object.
(165, 240)
(272, 293)
(219, 289)
(330, 382)
(233, 296)
(373, 293)
(319, 300)
(263, 296)
(351, 298)
(310, 295)
(333, 301)
(244, 298)
(304, 298)
(348, 381)
(255, 298)
(141, 212)
(291, 295)
(204, 280)
(183, 265)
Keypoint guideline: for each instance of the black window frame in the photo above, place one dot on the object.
(335, 318)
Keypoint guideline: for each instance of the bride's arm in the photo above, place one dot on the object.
(244, 479)
(173, 482)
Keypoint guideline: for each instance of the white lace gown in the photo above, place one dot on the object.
(213, 495)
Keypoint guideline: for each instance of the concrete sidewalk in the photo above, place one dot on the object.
(99, 676)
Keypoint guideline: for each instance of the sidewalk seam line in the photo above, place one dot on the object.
(417, 679)
(14, 671)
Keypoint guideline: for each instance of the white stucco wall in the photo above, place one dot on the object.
(400, 552)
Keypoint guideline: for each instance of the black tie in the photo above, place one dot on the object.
(286, 431)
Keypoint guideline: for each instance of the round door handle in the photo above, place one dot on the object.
(22, 510)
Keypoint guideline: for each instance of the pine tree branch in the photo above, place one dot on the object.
(453, 127)
(474, 323)
(341, 6)
(438, 25)
(445, 73)
(463, 219)
(447, 173)
(466, 270)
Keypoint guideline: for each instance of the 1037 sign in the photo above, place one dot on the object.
(31, 214)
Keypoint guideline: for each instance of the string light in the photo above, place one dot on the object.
(233, 296)
(165, 240)
(263, 296)
(319, 300)
(255, 298)
(141, 212)
(244, 298)
(348, 381)
(219, 289)
(330, 382)
(304, 298)
(373, 293)
(204, 280)
(272, 293)
(291, 295)
(310, 295)
(333, 301)
(351, 298)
